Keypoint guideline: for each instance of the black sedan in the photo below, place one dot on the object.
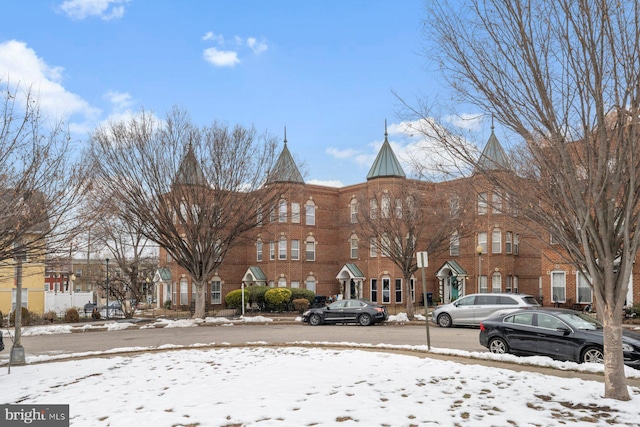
(558, 333)
(347, 311)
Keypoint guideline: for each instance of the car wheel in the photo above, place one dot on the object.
(592, 355)
(444, 321)
(315, 320)
(498, 346)
(365, 320)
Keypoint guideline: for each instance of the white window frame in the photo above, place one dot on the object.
(353, 207)
(259, 251)
(454, 244)
(272, 250)
(282, 249)
(508, 242)
(373, 247)
(295, 250)
(216, 292)
(482, 203)
(310, 213)
(496, 282)
(184, 292)
(310, 250)
(482, 241)
(282, 211)
(496, 241)
(373, 290)
(397, 291)
(583, 288)
(559, 286)
(373, 208)
(353, 241)
(386, 290)
(295, 212)
(482, 286)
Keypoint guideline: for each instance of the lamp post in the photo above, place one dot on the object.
(17, 351)
(107, 292)
(479, 250)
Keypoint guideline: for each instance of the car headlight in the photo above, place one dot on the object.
(306, 313)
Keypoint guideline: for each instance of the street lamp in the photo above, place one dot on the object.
(147, 291)
(107, 293)
(479, 250)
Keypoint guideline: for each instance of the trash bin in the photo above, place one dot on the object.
(429, 298)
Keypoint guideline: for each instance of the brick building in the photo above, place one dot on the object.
(309, 241)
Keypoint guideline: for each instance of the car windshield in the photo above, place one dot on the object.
(581, 321)
(530, 300)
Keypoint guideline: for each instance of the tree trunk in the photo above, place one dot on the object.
(410, 308)
(614, 378)
(200, 301)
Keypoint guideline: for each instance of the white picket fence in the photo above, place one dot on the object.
(61, 301)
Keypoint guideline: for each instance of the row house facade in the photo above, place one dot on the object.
(309, 239)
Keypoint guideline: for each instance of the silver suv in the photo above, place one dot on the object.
(473, 309)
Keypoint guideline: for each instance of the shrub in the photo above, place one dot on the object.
(234, 298)
(24, 313)
(95, 314)
(256, 294)
(301, 304)
(299, 293)
(167, 304)
(1, 320)
(71, 315)
(50, 317)
(278, 298)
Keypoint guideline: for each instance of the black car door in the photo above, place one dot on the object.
(334, 312)
(554, 338)
(519, 331)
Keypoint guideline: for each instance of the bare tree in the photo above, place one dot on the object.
(195, 191)
(405, 217)
(563, 76)
(130, 252)
(40, 185)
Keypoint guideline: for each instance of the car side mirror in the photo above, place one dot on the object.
(564, 330)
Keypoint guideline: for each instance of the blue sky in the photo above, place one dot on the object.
(327, 70)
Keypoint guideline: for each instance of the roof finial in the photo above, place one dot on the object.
(285, 134)
(385, 129)
(492, 122)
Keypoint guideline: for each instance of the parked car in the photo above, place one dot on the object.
(115, 309)
(559, 333)
(474, 308)
(88, 308)
(362, 312)
(1, 343)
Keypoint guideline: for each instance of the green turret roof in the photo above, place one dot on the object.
(285, 169)
(493, 156)
(386, 163)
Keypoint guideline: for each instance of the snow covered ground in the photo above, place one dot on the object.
(303, 386)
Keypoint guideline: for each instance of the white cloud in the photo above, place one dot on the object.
(256, 46)
(120, 100)
(221, 58)
(341, 154)
(215, 37)
(104, 9)
(229, 58)
(21, 68)
(330, 183)
(472, 122)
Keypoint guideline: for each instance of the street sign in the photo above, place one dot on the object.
(423, 259)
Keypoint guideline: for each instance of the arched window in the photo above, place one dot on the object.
(310, 213)
(282, 282)
(282, 248)
(282, 211)
(259, 250)
(496, 241)
(310, 249)
(354, 210)
(496, 282)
